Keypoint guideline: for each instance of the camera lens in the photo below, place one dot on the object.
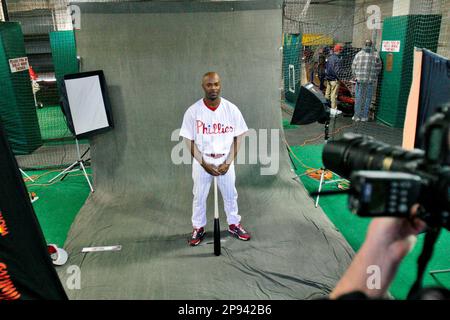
(357, 152)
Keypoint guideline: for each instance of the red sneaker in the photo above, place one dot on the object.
(239, 231)
(197, 236)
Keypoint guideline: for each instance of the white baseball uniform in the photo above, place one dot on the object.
(213, 131)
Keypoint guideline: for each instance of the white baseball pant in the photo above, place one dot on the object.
(202, 184)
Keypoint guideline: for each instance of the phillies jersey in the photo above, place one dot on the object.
(213, 130)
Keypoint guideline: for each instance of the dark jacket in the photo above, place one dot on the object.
(321, 64)
(332, 68)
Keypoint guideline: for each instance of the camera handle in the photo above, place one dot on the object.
(427, 251)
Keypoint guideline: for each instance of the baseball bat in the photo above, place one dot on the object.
(216, 221)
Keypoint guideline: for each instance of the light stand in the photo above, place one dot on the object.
(322, 175)
(433, 272)
(73, 167)
(23, 172)
(322, 169)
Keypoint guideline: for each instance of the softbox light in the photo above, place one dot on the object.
(85, 103)
(310, 106)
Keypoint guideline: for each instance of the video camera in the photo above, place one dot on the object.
(387, 180)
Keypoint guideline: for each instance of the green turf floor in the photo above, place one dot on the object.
(58, 203)
(354, 228)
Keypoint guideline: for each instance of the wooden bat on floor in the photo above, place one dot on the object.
(216, 221)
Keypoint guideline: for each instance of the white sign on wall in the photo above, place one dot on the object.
(390, 46)
(18, 64)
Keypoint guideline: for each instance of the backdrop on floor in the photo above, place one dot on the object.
(26, 270)
(154, 64)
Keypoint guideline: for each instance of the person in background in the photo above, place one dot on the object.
(319, 67)
(365, 68)
(308, 55)
(332, 79)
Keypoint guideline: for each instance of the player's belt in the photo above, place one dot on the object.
(215, 155)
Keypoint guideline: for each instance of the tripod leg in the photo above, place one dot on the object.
(439, 271)
(87, 178)
(67, 173)
(23, 172)
(320, 187)
(65, 170)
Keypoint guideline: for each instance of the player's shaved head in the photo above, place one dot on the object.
(210, 74)
(211, 85)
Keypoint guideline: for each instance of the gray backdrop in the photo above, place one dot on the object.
(153, 56)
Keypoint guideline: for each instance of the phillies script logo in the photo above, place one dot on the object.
(216, 128)
(3, 228)
(7, 289)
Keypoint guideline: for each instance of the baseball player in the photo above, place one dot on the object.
(213, 127)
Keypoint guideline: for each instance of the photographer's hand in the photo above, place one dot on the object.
(395, 236)
(387, 242)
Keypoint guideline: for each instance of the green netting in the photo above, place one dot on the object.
(17, 108)
(396, 82)
(64, 53)
(291, 65)
(64, 57)
(51, 54)
(53, 123)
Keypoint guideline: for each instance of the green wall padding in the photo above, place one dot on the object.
(17, 109)
(420, 31)
(292, 50)
(64, 53)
